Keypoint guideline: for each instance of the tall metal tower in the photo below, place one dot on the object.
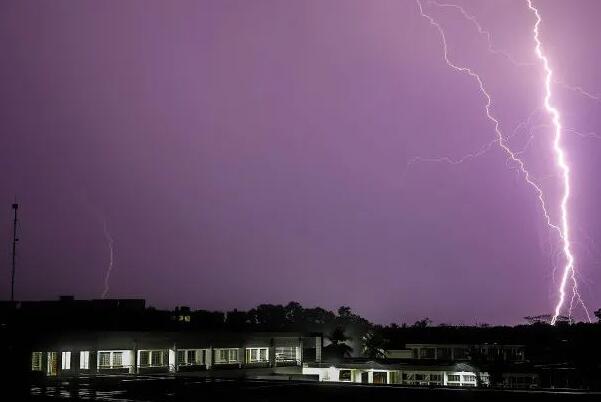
(15, 240)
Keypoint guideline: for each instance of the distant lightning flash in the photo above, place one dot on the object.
(109, 242)
(569, 269)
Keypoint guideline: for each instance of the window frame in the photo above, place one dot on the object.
(36, 361)
(84, 360)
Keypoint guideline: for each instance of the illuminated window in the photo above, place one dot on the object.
(66, 360)
(156, 358)
(151, 358)
(189, 357)
(286, 353)
(226, 355)
(233, 355)
(36, 361)
(84, 360)
(117, 359)
(104, 359)
(255, 355)
(470, 378)
(109, 359)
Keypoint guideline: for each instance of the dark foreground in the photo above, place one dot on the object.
(153, 389)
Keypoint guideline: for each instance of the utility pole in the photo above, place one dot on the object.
(15, 240)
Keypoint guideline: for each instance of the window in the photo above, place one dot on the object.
(144, 358)
(344, 375)
(66, 360)
(454, 377)
(226, 355)
(153, 358)
(470, 378)
(394, 377)
(380, 377)
(255, 355)
(156, 358)
(181, 357)
(36, 361)
(104, 359)
(427, 353)
(283, 354)
(233, 355)
(190, 357)
(117, 359)
(435, 377)
(113, 359)
(84, 360)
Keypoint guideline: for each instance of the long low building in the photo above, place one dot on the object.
(376, 372)
(146, 352)
(460, 374)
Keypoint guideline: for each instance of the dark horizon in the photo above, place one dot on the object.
(239, 153)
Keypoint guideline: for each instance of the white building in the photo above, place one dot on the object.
(372, 372)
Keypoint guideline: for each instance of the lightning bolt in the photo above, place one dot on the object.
(483, 32)
(109, 243)
(563, 228)
(561, 161)
(493, 50)
(500, 139)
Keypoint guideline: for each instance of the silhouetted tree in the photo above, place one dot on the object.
(422, 323)
(237, 320)
(338, 348)
(373, 344)
(269, 316)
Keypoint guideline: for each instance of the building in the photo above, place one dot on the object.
(116, 352)
(389, 372)
(455, 365)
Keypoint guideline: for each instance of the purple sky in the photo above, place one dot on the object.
(246, 152)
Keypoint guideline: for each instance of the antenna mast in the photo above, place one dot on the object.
(15, 240)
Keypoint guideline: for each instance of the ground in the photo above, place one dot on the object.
(168, 388)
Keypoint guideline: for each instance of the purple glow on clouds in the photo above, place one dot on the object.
(252, 152)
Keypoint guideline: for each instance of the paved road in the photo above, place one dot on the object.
(157, 388)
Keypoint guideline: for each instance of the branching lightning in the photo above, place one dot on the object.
(109, 243)
(562, 228)
(483, 32)
(500, 140)
(493, 50)
(561, 161)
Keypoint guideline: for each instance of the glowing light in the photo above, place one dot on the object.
(561, 161)
(508, 56)
(109, 242)
(562, 228)
(487, 107)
